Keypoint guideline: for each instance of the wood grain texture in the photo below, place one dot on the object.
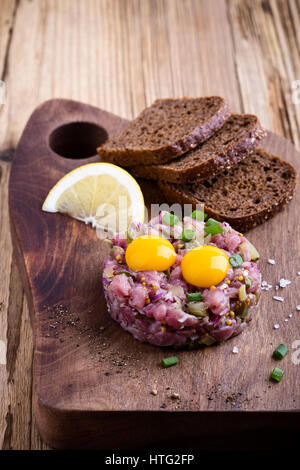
(87, 370)
(120, 55)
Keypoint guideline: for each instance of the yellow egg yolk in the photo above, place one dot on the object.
(204, 266)
(150, 252)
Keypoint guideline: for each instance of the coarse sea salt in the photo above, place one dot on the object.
(265, 286)
(281, 299)
(271, 261)
(284, 282)
(298, 273)
(298, 307)
(235, 350)
(276, 326)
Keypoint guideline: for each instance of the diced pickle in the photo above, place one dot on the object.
(252, 250)
(248, 281)
(199, 309)
(242, 293)
(243, 311)
(207, 340)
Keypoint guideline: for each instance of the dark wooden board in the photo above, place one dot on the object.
(92, 385)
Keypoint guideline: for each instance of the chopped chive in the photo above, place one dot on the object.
(212, 221)
(198, 215)
(170, 219)
(280, 352)
(187, 235)
(276, 374)
(213, 227)
(194, 296)
(169, 361)
(236, 260)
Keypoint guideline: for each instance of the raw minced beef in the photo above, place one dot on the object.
(153, 305)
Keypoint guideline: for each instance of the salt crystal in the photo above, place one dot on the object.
(276, 287)
(298, 307)
(286, 319)
(281, 299)
(265, 286)
(276, 326)
(271, 261)
(290, 315)
(235, 350)
(284, 282)
(298, 273)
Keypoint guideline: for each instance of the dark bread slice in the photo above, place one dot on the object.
(239, 137)
(246, 195)
(166, 130)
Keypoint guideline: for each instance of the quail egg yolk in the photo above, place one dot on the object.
(204, 266)
(150, 252)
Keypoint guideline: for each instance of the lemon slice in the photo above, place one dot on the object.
(102, 194)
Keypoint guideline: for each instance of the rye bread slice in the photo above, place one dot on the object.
(239, 137)
(166, 130)
(246, 195)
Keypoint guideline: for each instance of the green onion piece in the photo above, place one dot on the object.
(198, 215)
(194, 296)
(276, 374)
(213, 227)
(212, 221)
(170, 219)
(187, 235)
(236, 260)
(280, 352)
(169, 361)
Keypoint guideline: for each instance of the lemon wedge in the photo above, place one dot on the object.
(102, 194)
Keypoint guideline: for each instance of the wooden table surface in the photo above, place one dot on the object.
(120, 55)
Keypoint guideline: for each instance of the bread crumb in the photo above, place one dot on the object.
(154, 392)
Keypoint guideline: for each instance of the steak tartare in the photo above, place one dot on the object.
(161, 307)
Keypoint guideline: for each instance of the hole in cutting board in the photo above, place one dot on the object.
(77, 139)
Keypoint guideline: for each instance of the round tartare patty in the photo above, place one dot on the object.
(155, 307)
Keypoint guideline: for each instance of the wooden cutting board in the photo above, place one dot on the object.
(92, 380)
